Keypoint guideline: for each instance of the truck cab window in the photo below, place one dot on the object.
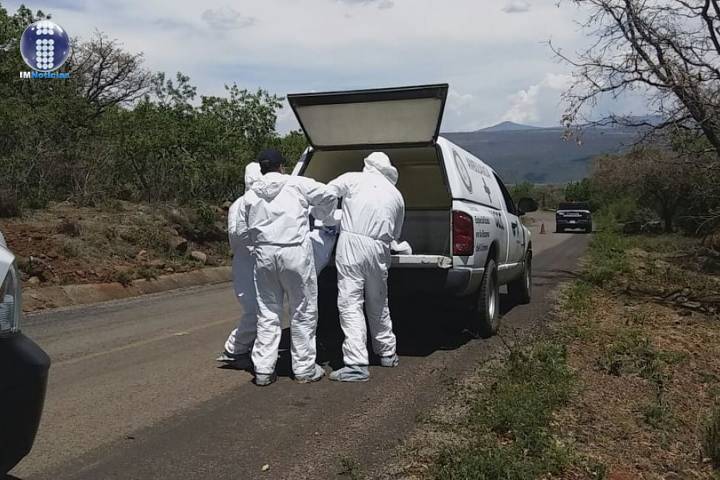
(509, 204)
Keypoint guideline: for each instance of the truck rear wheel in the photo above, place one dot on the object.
(485, 318)
(520, 289)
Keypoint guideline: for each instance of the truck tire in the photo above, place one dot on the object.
(520, 289)
(485, 318)
(559, 230)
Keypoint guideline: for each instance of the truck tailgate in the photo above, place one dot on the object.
(421, 261)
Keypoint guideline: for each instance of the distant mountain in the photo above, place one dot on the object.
(543, 155)
(507, 126)
(634, 120)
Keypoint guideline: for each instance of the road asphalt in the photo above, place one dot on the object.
(135, 393)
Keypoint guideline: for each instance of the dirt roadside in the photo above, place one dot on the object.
(120, 242)
(628, 383)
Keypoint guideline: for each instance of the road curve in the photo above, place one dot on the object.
(134, 392)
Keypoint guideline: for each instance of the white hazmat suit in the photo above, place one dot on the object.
(241, 339)
(278, 224)
(373, 211)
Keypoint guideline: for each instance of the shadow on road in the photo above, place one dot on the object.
(422, 325)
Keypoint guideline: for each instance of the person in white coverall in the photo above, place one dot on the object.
(373, 211)
(240, 340)
(278, 225)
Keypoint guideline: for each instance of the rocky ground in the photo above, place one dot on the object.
(118, 242)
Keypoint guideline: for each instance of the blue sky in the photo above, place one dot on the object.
(493, 53)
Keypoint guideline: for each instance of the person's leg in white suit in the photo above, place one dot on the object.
(378, 311)
(298, 277)
(240, 341)
(351, 263)
(291, 270)
(270, 302)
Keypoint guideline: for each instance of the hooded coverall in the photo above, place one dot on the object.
(241, 339)
(373, 211)
(278, 225)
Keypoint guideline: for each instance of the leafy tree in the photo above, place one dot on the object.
(657, 179)
(116, 130)
(582, 191)
(667, 49)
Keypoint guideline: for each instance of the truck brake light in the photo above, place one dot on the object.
(463, 235)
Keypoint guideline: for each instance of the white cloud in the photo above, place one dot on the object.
(538, 102)
(381, 4)
(516, 6)
(487, 56)
(286, 120)
(226, 18)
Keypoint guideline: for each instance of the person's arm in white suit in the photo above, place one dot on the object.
(241, 225)
(341, 185)
(319, 196)
(399, 219)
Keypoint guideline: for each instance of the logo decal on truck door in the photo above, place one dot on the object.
(487, 190)
(498, 220)
(462, 171)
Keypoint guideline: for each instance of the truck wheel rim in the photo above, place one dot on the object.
(528, 282)
(492, 303)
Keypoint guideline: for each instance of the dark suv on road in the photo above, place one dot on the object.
(23, 371)
(573, 215)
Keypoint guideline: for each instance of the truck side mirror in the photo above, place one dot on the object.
(526, 205)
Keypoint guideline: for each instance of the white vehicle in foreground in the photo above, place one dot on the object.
(462, 224)
(23, 371)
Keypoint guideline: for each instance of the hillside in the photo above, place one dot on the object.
(541, 155)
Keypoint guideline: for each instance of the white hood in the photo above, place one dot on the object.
(252, 174)
(270, 185)
(379, 163)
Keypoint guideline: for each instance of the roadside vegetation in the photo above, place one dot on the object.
(622, 382)
(549, 196)
(641, 326)
(508, 426)
(120, 173)
(117, 131)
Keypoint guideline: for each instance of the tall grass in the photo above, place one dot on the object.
(511, 421)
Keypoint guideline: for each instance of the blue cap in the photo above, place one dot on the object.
(270, 160)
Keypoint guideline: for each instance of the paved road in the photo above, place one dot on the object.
(134, 392)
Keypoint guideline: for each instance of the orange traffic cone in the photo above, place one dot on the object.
(542, 229)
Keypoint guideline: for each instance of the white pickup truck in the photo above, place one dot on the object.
(462, 224)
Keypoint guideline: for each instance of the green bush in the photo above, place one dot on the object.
(711, 436)
(607, 257)
(9, 205)
(512, 421)
(146, 138)
(205, 214)
(631, 353)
